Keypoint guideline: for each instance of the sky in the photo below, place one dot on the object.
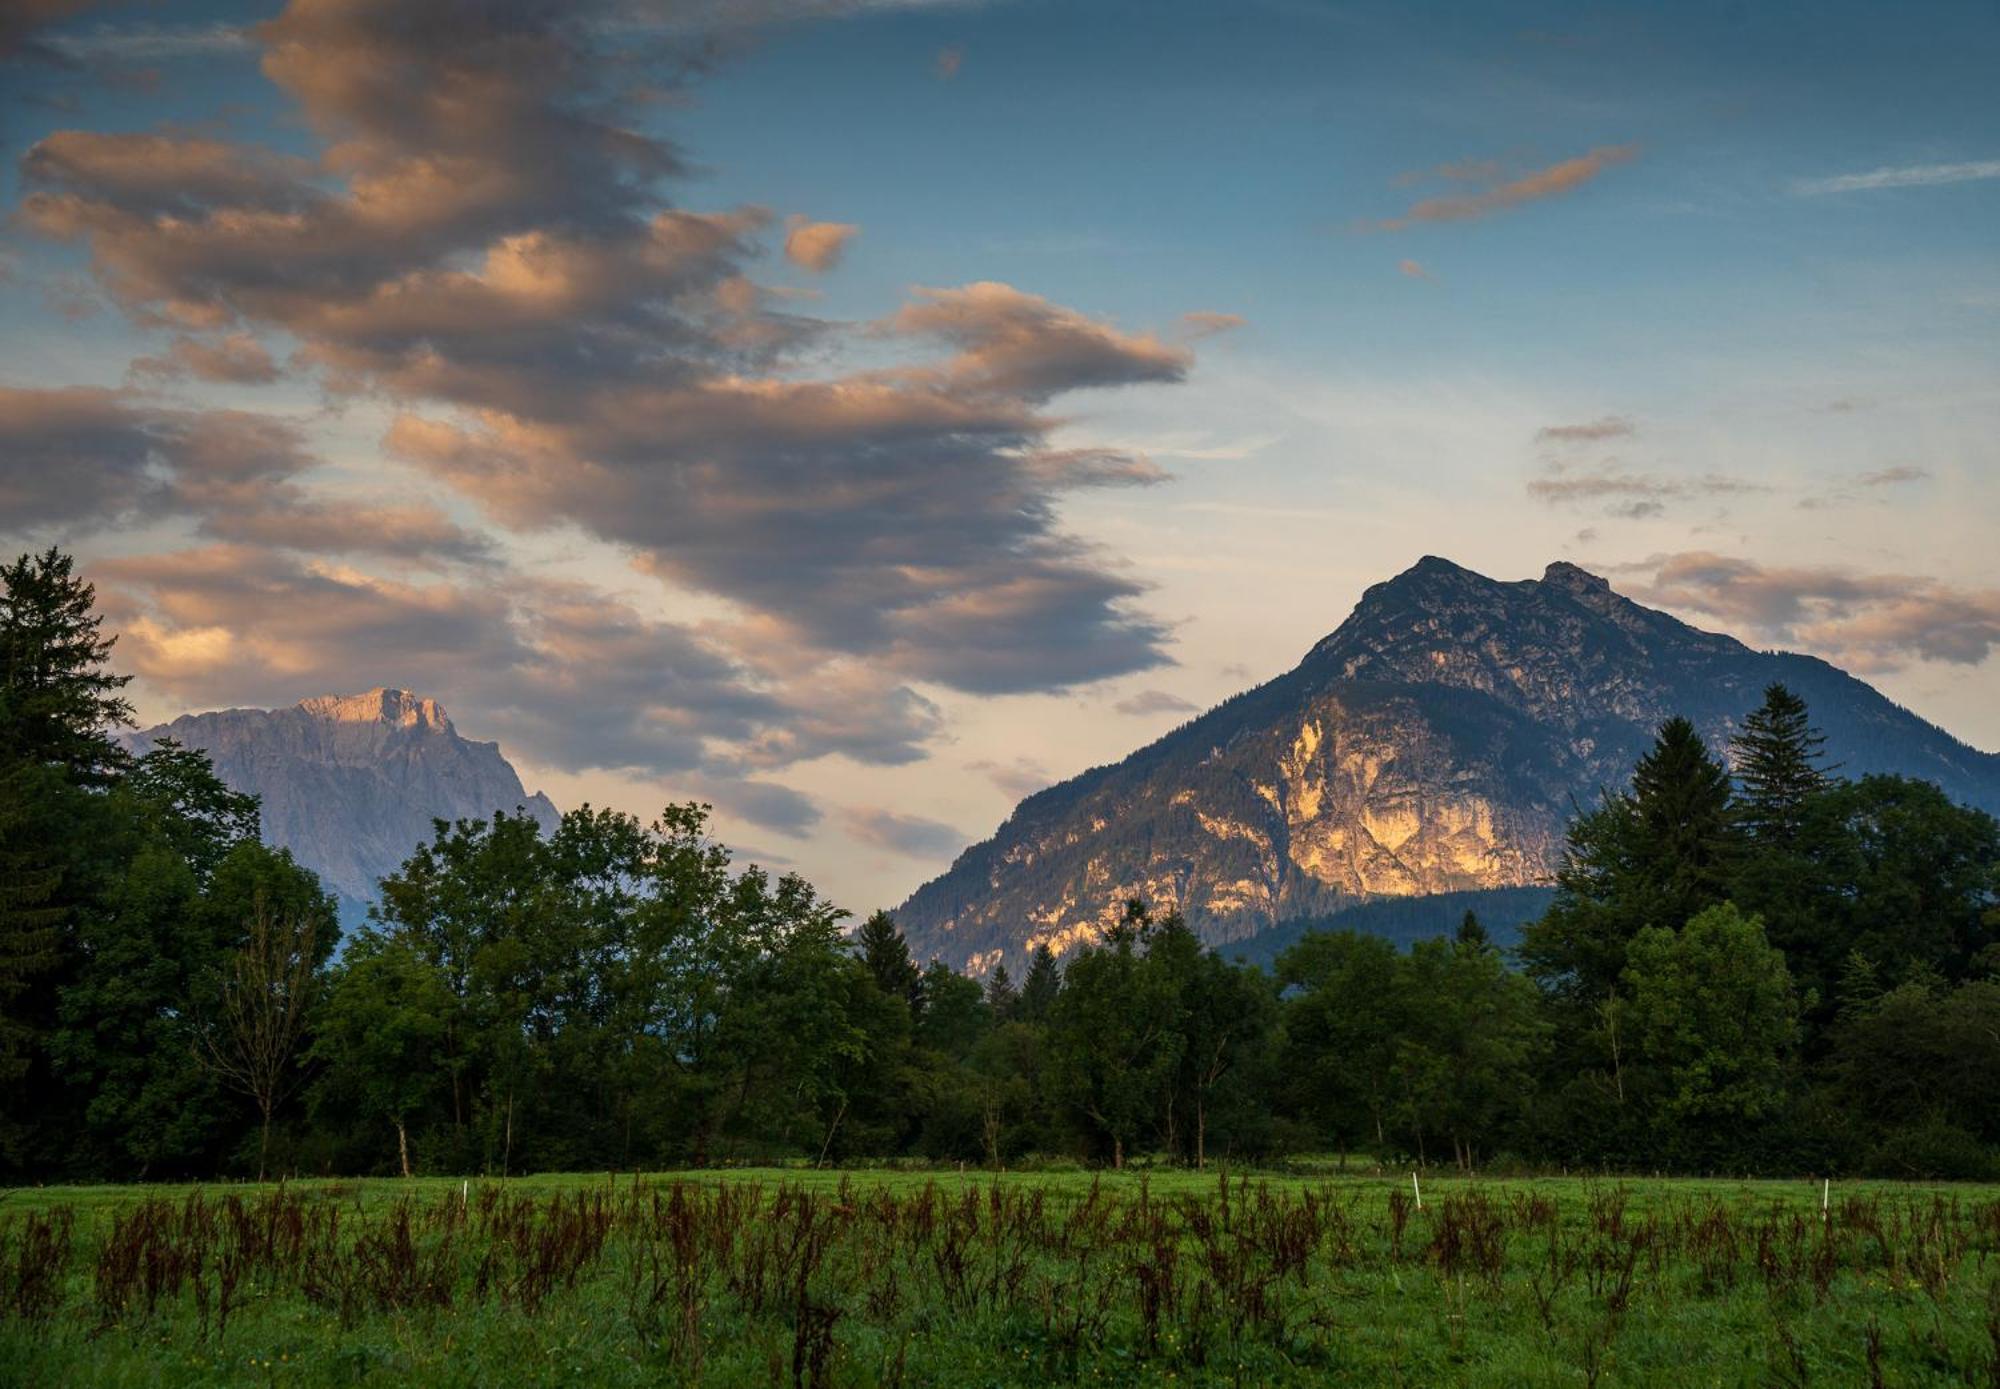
(860, 415)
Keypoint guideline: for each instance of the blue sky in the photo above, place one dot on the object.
(1704, 297)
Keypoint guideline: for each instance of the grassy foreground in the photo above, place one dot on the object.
(751, 1277)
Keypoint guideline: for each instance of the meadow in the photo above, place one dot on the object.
(908, 1278)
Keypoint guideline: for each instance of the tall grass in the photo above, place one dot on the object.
(1009, 1282)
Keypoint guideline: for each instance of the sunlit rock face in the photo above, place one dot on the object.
(1438, 741)
(351, 783)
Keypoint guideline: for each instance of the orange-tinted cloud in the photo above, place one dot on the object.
(1550, 182)
(479, 242)
(1862, 621)
(949, 61)
(238, 359)
(817, 245)
(1205, 323)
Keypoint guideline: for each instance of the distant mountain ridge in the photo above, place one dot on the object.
(351, 783)
(1437, 741)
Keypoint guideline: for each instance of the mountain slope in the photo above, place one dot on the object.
(351, 783)
(1438, 741)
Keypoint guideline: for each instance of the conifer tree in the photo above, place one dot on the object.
(1042, 985)
(1777, 758)
(57, 699)
(886, 954)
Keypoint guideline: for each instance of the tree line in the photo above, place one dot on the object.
(1757, 966)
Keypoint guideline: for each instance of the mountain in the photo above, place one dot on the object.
(351, 783)
(1437, 742)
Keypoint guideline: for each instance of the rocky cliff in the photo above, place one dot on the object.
(1438, 741)
(351, 783)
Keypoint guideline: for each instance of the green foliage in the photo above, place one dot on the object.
(1653, 856)
(57, 699)
(1777, 762)
(1712, 1021)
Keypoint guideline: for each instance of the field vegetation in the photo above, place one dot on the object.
(786, 1277)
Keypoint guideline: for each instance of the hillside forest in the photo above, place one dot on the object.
(1751, 964)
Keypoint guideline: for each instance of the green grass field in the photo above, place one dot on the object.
(878, 1278)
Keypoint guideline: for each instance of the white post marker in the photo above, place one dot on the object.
(1418, 1190)
(1825, 1196)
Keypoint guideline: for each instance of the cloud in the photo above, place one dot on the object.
(1019, 778)
(1204, 323)
(1903, 176)
(1628, 494)
(949, 61)
(570, 675)
(817, 246)
(237, 359)
(1891, 477)
(1413, 270)
(483, 240)
(912, 836)
(83, 459)
(21, 22)
(1149, 702)
(1014, 344)
(1863, 621)
(1552, 181)
(768, 804)
(150, 43)
(1595, 431)
(1456, 171)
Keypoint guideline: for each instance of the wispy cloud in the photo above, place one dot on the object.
(1205, 323)
(1864, 621)
(1149, 702)
(949, 61)
(1890, 477)
(150, 43)
(1592, 431)
(1550, 182)
(1900, 176)
(912, 836)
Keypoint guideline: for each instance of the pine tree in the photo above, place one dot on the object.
(1777, 758)
(1471, 933)
(1688, 837)
(1001, 995)
(56, 698)
(1040, 989)
(886, 954)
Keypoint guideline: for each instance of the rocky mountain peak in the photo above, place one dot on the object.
(1564, 575)
(1436, 742)
(381, 705)
(352, 783)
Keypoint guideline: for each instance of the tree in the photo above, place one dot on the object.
(1713, 1019)
(1919, 1068)
(175, 791)
(1777, 761)
(1467, 1051)
(886, 953)
(1111, 1049)
(1041, 988)
(1002, 998)
(378, 1038)
(1653, 856)
(1471, 932)
(1347, 1007)
(30, 939)
(57, 699)
(266, 997)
